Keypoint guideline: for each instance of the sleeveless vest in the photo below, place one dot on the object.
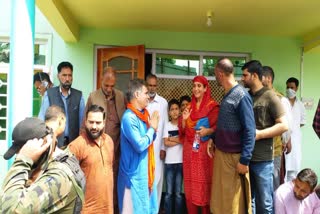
(98, 98)
(73, 106)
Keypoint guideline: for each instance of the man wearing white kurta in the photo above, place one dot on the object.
(158, 103)
(293, 159)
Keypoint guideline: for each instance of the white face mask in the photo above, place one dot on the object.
(291, 93)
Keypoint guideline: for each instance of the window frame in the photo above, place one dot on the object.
(41, 39)
(201, 55)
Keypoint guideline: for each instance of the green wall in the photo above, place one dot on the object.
(283, 54)
(310, 89)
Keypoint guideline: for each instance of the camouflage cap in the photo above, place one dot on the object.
(25, 130)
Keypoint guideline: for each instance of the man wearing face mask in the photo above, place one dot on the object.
(293, 159)
(67, 98)
(58, 181)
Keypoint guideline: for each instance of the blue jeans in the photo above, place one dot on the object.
(261, 179)
(174, 189)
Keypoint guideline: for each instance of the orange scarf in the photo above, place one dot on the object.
(144, 116)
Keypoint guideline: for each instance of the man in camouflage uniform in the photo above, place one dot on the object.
(59, 182)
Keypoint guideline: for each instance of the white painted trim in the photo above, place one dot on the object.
(204, 53)
(154, 63)
(42, 39)
(200, 64)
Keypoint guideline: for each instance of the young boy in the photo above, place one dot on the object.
(184, 102)
(173, 162)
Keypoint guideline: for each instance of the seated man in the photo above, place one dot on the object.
(289, 196)
(312, 203)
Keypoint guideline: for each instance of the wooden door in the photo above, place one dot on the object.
(128, 62)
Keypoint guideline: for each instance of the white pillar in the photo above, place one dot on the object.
(20, 94)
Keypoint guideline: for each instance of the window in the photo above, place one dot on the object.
(187, 64)
(3, 100)
(4, 52)
(39, 53)
(42, 62)
(210, 61)
(182, 65)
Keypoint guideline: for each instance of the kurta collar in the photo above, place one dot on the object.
(156, 98)
(91, 141)
(69, 91)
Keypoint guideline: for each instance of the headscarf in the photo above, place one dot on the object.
(203, 110)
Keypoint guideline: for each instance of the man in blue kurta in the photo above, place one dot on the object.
(137, 192)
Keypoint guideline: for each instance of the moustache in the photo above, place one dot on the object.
(66, 85)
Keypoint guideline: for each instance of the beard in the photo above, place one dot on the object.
(108, 94)
(93, 134)
(66, 85)
(298, 197)
(247, 85)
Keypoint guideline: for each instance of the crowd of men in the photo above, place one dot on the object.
(108, 155)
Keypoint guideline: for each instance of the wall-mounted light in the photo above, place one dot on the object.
(209, 18)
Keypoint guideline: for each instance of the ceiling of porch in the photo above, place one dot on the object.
(288, 18)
